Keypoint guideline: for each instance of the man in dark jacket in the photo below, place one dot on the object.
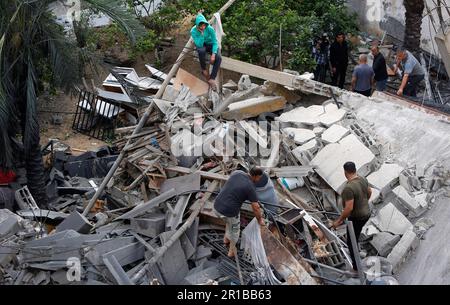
(339, 60)
(379, 67)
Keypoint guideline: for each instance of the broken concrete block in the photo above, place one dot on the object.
(9, 223)
(151, 225)
(332, 117)
(375, 197)
(253, 107)
(399, 253)
(422, 226)
(309, 146)
(173, 265)
(76, 222)
(8, 250)
(244, 83)
(390, 219)
(182, 184)
(334, 133)
(300, 135)
(302, 115)
(329, 161)
(376, 266)
(368, 231)
(385, 178)
(383, 242)
(318, 130)
(231, 85)
(414, 207)
(271, 88)
(203, 252)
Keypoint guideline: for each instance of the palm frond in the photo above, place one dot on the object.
(119, 13)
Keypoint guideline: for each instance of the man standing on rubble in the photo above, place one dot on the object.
(362, 78)
(413, 72)
(355, 197)
(339, 60)
(238, 189)
(379, 67)
(205, 40)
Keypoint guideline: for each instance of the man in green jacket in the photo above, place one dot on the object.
(205, 40)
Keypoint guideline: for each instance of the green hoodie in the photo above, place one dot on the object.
(208, 36)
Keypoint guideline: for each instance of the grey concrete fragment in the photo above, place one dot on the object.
(192, 232)
(8, 250)
(94, 253)
(9, 226)
(398, 255)
(182, 184)
(203, 252)
(422, 226)
(116, 270)
(385, 178)
(244, 83)
(383, 242)
(174, 216)
(128, 254)
(173, 265)
(152, 225)
(188, 248)
(415, 208)
(76, 222)
(390, 219)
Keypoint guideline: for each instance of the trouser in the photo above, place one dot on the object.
(338, 78)
(365, 93)
(381, 85)
(412, 84)
(358, 224)
(202, 57)
(320, 73)
(232, 226)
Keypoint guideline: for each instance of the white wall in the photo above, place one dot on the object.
(377, 16)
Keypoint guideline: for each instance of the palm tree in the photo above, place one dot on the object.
(413, 24)
(30, 39)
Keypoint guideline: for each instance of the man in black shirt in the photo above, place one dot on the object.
(339, 60)
(379, 67)
(238, 189)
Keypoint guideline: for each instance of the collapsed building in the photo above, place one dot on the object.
(141, 212)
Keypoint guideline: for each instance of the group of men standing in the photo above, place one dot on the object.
(365, 78)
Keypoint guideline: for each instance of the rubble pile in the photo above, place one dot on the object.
(154, 223)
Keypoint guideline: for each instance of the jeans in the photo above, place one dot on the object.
(358, 224)
(320, 73)
(412, 84)
(381, 85)
(338, 78)
(202, 57)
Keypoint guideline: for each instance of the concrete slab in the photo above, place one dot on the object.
(76, 222)
(399, 253)
(309, 146)
(390, 219)
(9, 223)
(173, 265)
(253, 107)
(385, 178)
(384, 242)
(329, 161)
(302, 115)
(182, 184)
(318, 130)
(332, 117)
(414, 207)
(300, 135)
(334, 134)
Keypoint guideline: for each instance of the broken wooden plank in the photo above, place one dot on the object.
(207, 175)
(197, 86)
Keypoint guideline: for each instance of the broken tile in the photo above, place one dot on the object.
(332, 117)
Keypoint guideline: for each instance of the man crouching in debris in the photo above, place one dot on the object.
(238, 189)
(205, 40)
(413, 72)
(355, 196)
